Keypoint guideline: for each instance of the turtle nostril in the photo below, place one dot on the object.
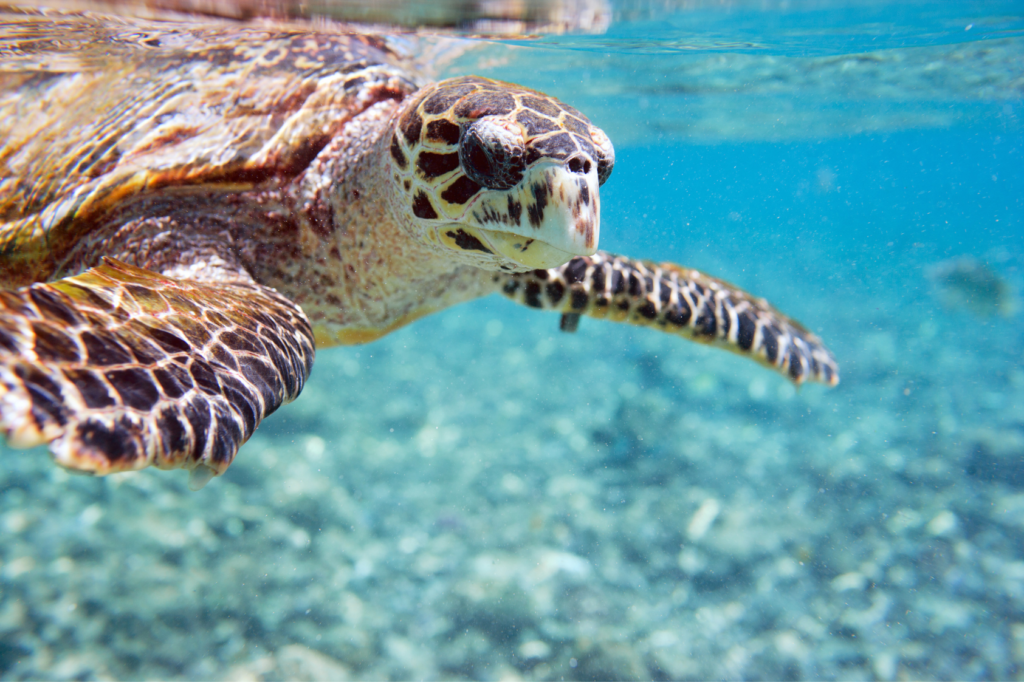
(586, 166)
(576, 165)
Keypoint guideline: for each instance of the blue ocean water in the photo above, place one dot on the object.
(480, 496)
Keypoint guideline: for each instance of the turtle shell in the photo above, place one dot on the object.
(186, 108)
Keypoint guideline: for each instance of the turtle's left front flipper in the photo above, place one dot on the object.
(679, 301)
(121, 368)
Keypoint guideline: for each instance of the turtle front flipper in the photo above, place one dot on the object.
(679, 301)
(120, 368)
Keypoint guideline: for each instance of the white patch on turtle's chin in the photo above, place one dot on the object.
(505, 250)
(551, 206)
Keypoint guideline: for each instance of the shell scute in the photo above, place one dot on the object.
(223, 111)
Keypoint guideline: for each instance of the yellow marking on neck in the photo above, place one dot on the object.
(353, 336)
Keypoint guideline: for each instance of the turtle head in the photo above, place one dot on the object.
(503, 175)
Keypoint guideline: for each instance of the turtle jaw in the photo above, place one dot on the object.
(546, 220)
(528, 253)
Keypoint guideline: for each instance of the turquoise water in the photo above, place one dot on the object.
(481, 496)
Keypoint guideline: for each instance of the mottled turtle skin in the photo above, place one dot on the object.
(179, 235)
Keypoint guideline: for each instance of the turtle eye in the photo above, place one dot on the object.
(491, 155)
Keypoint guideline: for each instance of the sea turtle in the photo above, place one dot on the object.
(180, 232)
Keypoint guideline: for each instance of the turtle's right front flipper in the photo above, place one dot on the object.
(120, 368)
(680, 301)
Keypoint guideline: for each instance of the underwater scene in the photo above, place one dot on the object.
(480, 495)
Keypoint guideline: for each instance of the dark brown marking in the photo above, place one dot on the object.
(443, 131)
(103, 350)
(9, 343)
(197, 412)
(541, 105)
(796, 368)
(467, 242)
(559, 147)
(223, 356)
(577, 126)
(396, 153)
(239, 397)
(173, 435)
(579, 299)
(52, 306)
(92, 389)
(204, 376)
(532, 295)
(680, 315)
(635, 287)
(227, 439)
(535, 125)
(431, 165)
(770, 343)
(705, 324)
(575, 270)
(45, 408)
(515, 210)
(411, 126)
(422, 208)
(647, 310)
(116, 443)
(241, 340)
(555, 291)
(485, 103)
(535, 211)
(54, 345)
(170, 342)
(174, 381)
(135, 387)
(47, 403)
(587, 147)
(618, 282)
(445, 97)
(264, 378)
(460, 191)
(145, 352)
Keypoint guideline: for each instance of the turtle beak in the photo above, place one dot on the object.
(550, 217)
